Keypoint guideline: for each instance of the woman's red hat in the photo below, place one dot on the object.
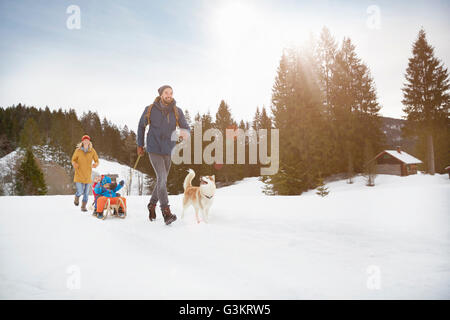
(86, 137)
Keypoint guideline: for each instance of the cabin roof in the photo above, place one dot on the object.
(402, 156)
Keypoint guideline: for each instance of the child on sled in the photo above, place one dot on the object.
(106, 191)
(93, 207)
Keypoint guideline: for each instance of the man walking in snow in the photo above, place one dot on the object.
(163, 116)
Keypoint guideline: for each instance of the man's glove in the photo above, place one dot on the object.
(122, 183)
(140, 151)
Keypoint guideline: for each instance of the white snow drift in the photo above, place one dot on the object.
(388, 241)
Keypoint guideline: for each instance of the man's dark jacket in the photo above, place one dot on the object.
(162, 124)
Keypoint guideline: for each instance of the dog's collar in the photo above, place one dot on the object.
(209, 197)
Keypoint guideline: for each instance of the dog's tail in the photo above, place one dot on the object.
(188, 179)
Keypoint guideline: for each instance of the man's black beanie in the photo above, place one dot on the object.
(160, 90)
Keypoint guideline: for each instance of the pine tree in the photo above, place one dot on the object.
(107, 130)
(296, 113)
(5, 145)
(30, 135)
(343, 93)
(225, 121)
(353, 110)
(29, 178)
(426, 99)
(74, 129)
(256, 119)
(45, 125)
(130, 148)
(92, 126)
(281, 92)
(207, 121)
(223, 117)
(124, 132)
(325, 56)
(117, 148)
(265, 122)
(59, 135)
(322, 190)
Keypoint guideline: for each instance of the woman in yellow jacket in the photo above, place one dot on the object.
(82, 162)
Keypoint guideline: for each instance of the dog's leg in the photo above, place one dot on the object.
(196, 214)
(205, 215)
(185, 204)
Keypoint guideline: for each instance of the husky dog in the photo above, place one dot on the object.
(201, 198)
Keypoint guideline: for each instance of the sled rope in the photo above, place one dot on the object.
(137, 160)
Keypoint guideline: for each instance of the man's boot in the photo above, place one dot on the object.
(168, 216)
(83, 206)
(77, 200)
(151, 211)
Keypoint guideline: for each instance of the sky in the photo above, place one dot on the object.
(123, 51)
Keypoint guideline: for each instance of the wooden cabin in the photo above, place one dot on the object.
(396, 162)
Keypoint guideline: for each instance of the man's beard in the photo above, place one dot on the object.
(167, 101)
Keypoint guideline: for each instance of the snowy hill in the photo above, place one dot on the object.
(7, 171)
(388, 241)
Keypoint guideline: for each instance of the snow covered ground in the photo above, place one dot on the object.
(388, 241)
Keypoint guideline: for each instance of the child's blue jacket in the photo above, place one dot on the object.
(102, 191)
